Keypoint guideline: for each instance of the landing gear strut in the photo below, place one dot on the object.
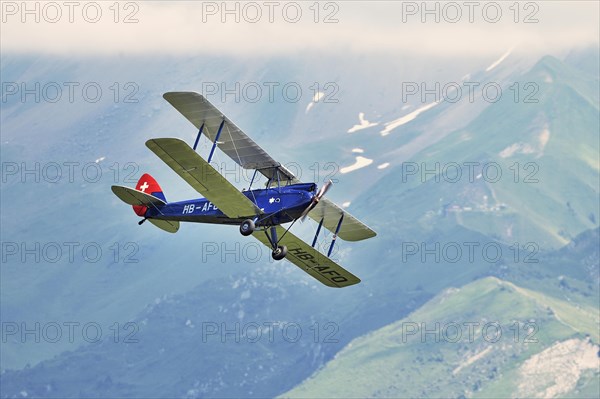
(279, 253)
(247, 227)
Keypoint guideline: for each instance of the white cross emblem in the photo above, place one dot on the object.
(144, 186)
(271, 200)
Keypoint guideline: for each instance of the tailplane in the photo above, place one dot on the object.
(147, 193)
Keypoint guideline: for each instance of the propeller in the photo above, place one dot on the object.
(315, 200)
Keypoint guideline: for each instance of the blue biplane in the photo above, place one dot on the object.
(257, 212)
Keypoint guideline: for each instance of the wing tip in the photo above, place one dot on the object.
(173, 94)
(354, 238)
(350, 284)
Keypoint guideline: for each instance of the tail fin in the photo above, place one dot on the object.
(147, 193)
(147, 185)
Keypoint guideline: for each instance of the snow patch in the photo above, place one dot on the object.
(406, 118)
(363, 123)
(100, 159)
(510, 150)
(499, 60)
(543, 139)
(361, 162)
(346, 204)
(318, 95)
(465, 137)
(526, 148)
(383, 165)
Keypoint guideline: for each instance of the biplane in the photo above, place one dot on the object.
(259, 212)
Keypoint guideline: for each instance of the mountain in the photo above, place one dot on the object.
(570, 273)
(193, 333)
(521, 344)
(525, 170)
(177, 285)
(106, 139)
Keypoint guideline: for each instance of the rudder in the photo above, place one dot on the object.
(147, 184)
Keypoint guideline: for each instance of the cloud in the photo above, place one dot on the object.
(271, 28)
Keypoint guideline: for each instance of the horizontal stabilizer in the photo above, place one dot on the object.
(134, 197)
(170, 226)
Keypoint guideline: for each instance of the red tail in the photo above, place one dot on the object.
(147, 185)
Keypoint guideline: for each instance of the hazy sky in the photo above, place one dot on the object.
(459, 28)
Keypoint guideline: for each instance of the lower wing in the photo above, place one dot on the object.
(310, 260)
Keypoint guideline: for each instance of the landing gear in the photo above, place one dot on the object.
(279, 253)
(247, 227)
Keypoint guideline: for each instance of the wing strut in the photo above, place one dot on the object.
(198, 136)
(212, 150)
(337, 230)
(317, 233)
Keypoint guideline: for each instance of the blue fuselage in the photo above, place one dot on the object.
(284, 203)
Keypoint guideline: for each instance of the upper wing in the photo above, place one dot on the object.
(203, 177)
(232, 141)
(239, 147)
(352, 229)
(311, 261)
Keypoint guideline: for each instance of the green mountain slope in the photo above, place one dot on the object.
(172, 359)
(534, 174)
(518, 341)
(570, 273)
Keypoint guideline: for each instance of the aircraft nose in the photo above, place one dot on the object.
(306, 197)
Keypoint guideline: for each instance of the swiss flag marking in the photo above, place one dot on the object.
(147, 185)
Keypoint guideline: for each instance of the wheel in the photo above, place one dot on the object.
(247, 227)
(279, 252)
